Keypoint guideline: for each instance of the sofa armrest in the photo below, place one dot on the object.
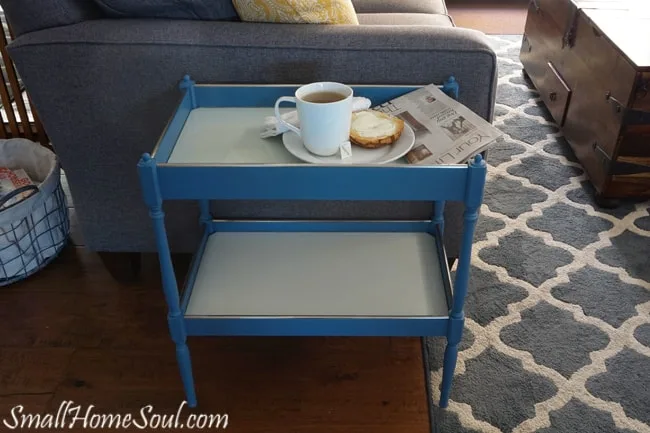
(272, 53)
(30, 15)
(105, 89)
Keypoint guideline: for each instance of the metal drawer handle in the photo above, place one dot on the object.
(602, 152)
(619, 105)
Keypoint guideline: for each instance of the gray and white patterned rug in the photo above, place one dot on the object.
(557, 333)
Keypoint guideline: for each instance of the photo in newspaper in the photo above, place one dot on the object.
(446, 132)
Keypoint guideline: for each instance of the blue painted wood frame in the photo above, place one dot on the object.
(473, 198)
(161, 182)
(176, 323)
(321, 226)
(310, 327)
(418, 187)
(302, 182)
(212, 95)
(359, 326)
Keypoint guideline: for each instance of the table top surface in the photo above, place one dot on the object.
(219, 124)
(625, 22)
(628, 29)
(231, 135)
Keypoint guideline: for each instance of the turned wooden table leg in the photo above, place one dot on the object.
(124, 267)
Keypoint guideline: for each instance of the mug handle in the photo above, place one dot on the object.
(279, 117)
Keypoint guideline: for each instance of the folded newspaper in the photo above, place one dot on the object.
(446, 132)
(11, 180)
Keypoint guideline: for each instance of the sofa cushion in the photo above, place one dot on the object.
(400, 6)
(405, 19)
(297, 12)
(89, 77)
(26, 16)
(179, 9)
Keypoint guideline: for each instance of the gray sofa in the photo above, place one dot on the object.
(105, 83)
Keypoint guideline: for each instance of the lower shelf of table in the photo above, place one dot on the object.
(318, 283)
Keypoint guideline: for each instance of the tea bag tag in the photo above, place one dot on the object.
(346, 150)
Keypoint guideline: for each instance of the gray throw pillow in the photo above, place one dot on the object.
(220, 10)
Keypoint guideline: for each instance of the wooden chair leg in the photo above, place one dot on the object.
(123, 267)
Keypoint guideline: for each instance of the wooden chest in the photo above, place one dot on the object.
(590, 61)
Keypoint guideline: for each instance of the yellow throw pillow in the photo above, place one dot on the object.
(297, 11)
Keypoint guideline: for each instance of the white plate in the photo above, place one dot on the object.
(383, 155)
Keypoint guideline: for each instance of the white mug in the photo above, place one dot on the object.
(324, 126)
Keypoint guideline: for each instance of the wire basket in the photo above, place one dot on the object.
(33, 230)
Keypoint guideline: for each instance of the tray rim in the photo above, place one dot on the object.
(316, 325)
(188, 101)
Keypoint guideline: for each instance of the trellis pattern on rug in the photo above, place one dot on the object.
(558, 317)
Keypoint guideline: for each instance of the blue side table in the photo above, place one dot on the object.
(298, 277)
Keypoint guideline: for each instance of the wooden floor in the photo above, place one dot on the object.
(493, 17)
(72, 333)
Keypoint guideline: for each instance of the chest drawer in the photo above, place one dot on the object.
(604, 61)
(593, 111)
(542, 41)
(554, 91)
